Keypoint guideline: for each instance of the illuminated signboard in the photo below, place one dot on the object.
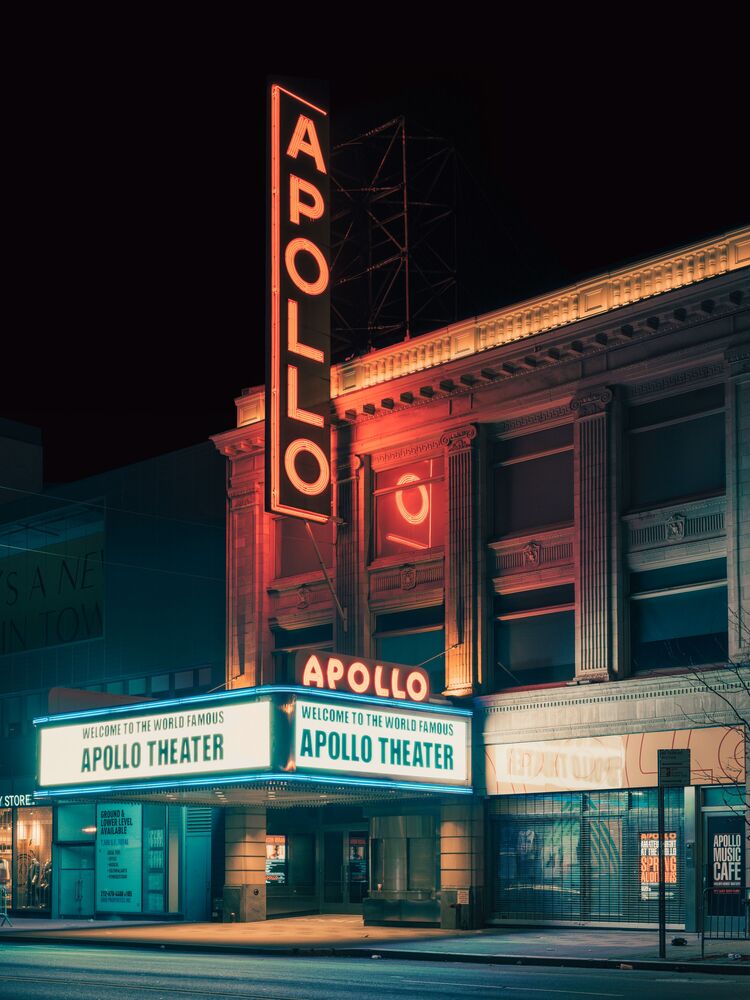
(374, 740)
(338, 672)
(119, 846)
(276, 859)
(298, 453)
(650, 865)
(616, 761)
(725, 875)
(176, 744)
(410, 508)
(250, 736)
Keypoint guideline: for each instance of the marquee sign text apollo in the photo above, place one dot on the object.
(298, 451)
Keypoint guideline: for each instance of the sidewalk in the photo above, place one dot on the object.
(346, 935)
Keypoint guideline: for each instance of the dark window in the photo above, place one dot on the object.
(533, 481)
(295, 553)
(410, 508)
(414, 638)
(288, 642)
(183, 680)
(678, 616)
(676, 448)
(535, 637)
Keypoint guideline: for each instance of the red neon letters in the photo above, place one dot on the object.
(298, 475)
(340, 673)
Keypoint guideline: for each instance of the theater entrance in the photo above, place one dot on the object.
(343, 872)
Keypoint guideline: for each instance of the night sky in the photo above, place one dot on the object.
(136, 207)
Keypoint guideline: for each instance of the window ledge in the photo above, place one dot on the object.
(407, 559)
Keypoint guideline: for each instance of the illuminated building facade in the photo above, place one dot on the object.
(545, 510)
(548, 508)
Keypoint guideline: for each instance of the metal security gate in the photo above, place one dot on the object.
(586, 857)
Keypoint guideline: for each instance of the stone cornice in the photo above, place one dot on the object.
(240, 441)
(669, 687)
(643, 280)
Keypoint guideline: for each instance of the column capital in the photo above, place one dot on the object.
(591, 402)
(738, 360)
(459, 438)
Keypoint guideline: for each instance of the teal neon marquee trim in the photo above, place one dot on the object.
(154, 707)
(239, 779)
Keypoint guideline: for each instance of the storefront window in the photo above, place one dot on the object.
(587, 857)
(32, 874)
(6, 852)
(154, 857)
(76, 823)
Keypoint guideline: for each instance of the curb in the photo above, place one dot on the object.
(641, 965)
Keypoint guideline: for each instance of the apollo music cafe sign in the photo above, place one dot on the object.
(298, 450)
(285, 733)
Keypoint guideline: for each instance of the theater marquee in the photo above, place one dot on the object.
(298, 378)
(192, 741)
(255, 735)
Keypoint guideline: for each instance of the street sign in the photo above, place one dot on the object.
(674, 768)
(674, 772)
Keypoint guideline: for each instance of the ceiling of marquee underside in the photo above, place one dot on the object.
(272, 794)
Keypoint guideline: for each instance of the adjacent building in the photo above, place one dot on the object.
(111, 591)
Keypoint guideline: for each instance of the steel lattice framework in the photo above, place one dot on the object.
(393, 237)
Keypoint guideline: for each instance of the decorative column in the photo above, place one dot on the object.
(349, 574)
(462, 866)
(247, 550)
(592, 494)
(245, 864)
(738, 501)
(462, 554)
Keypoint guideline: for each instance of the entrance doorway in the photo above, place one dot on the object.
(343, 874)
(76, 881)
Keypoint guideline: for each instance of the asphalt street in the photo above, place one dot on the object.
(33, 972)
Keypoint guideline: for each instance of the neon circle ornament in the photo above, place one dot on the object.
(424, 505)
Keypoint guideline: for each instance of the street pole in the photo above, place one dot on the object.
(662, 887)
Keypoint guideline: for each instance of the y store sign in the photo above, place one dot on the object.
(251, 736)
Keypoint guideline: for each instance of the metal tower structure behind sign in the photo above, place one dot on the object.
(393, 237)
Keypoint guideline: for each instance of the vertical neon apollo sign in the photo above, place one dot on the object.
(298, 451)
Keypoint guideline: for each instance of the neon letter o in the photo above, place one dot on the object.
(358, 677)
(290, 457)
(416, 686)
(290, 259)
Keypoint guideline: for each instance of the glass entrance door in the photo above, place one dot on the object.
(344, 870)
(76, 881)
